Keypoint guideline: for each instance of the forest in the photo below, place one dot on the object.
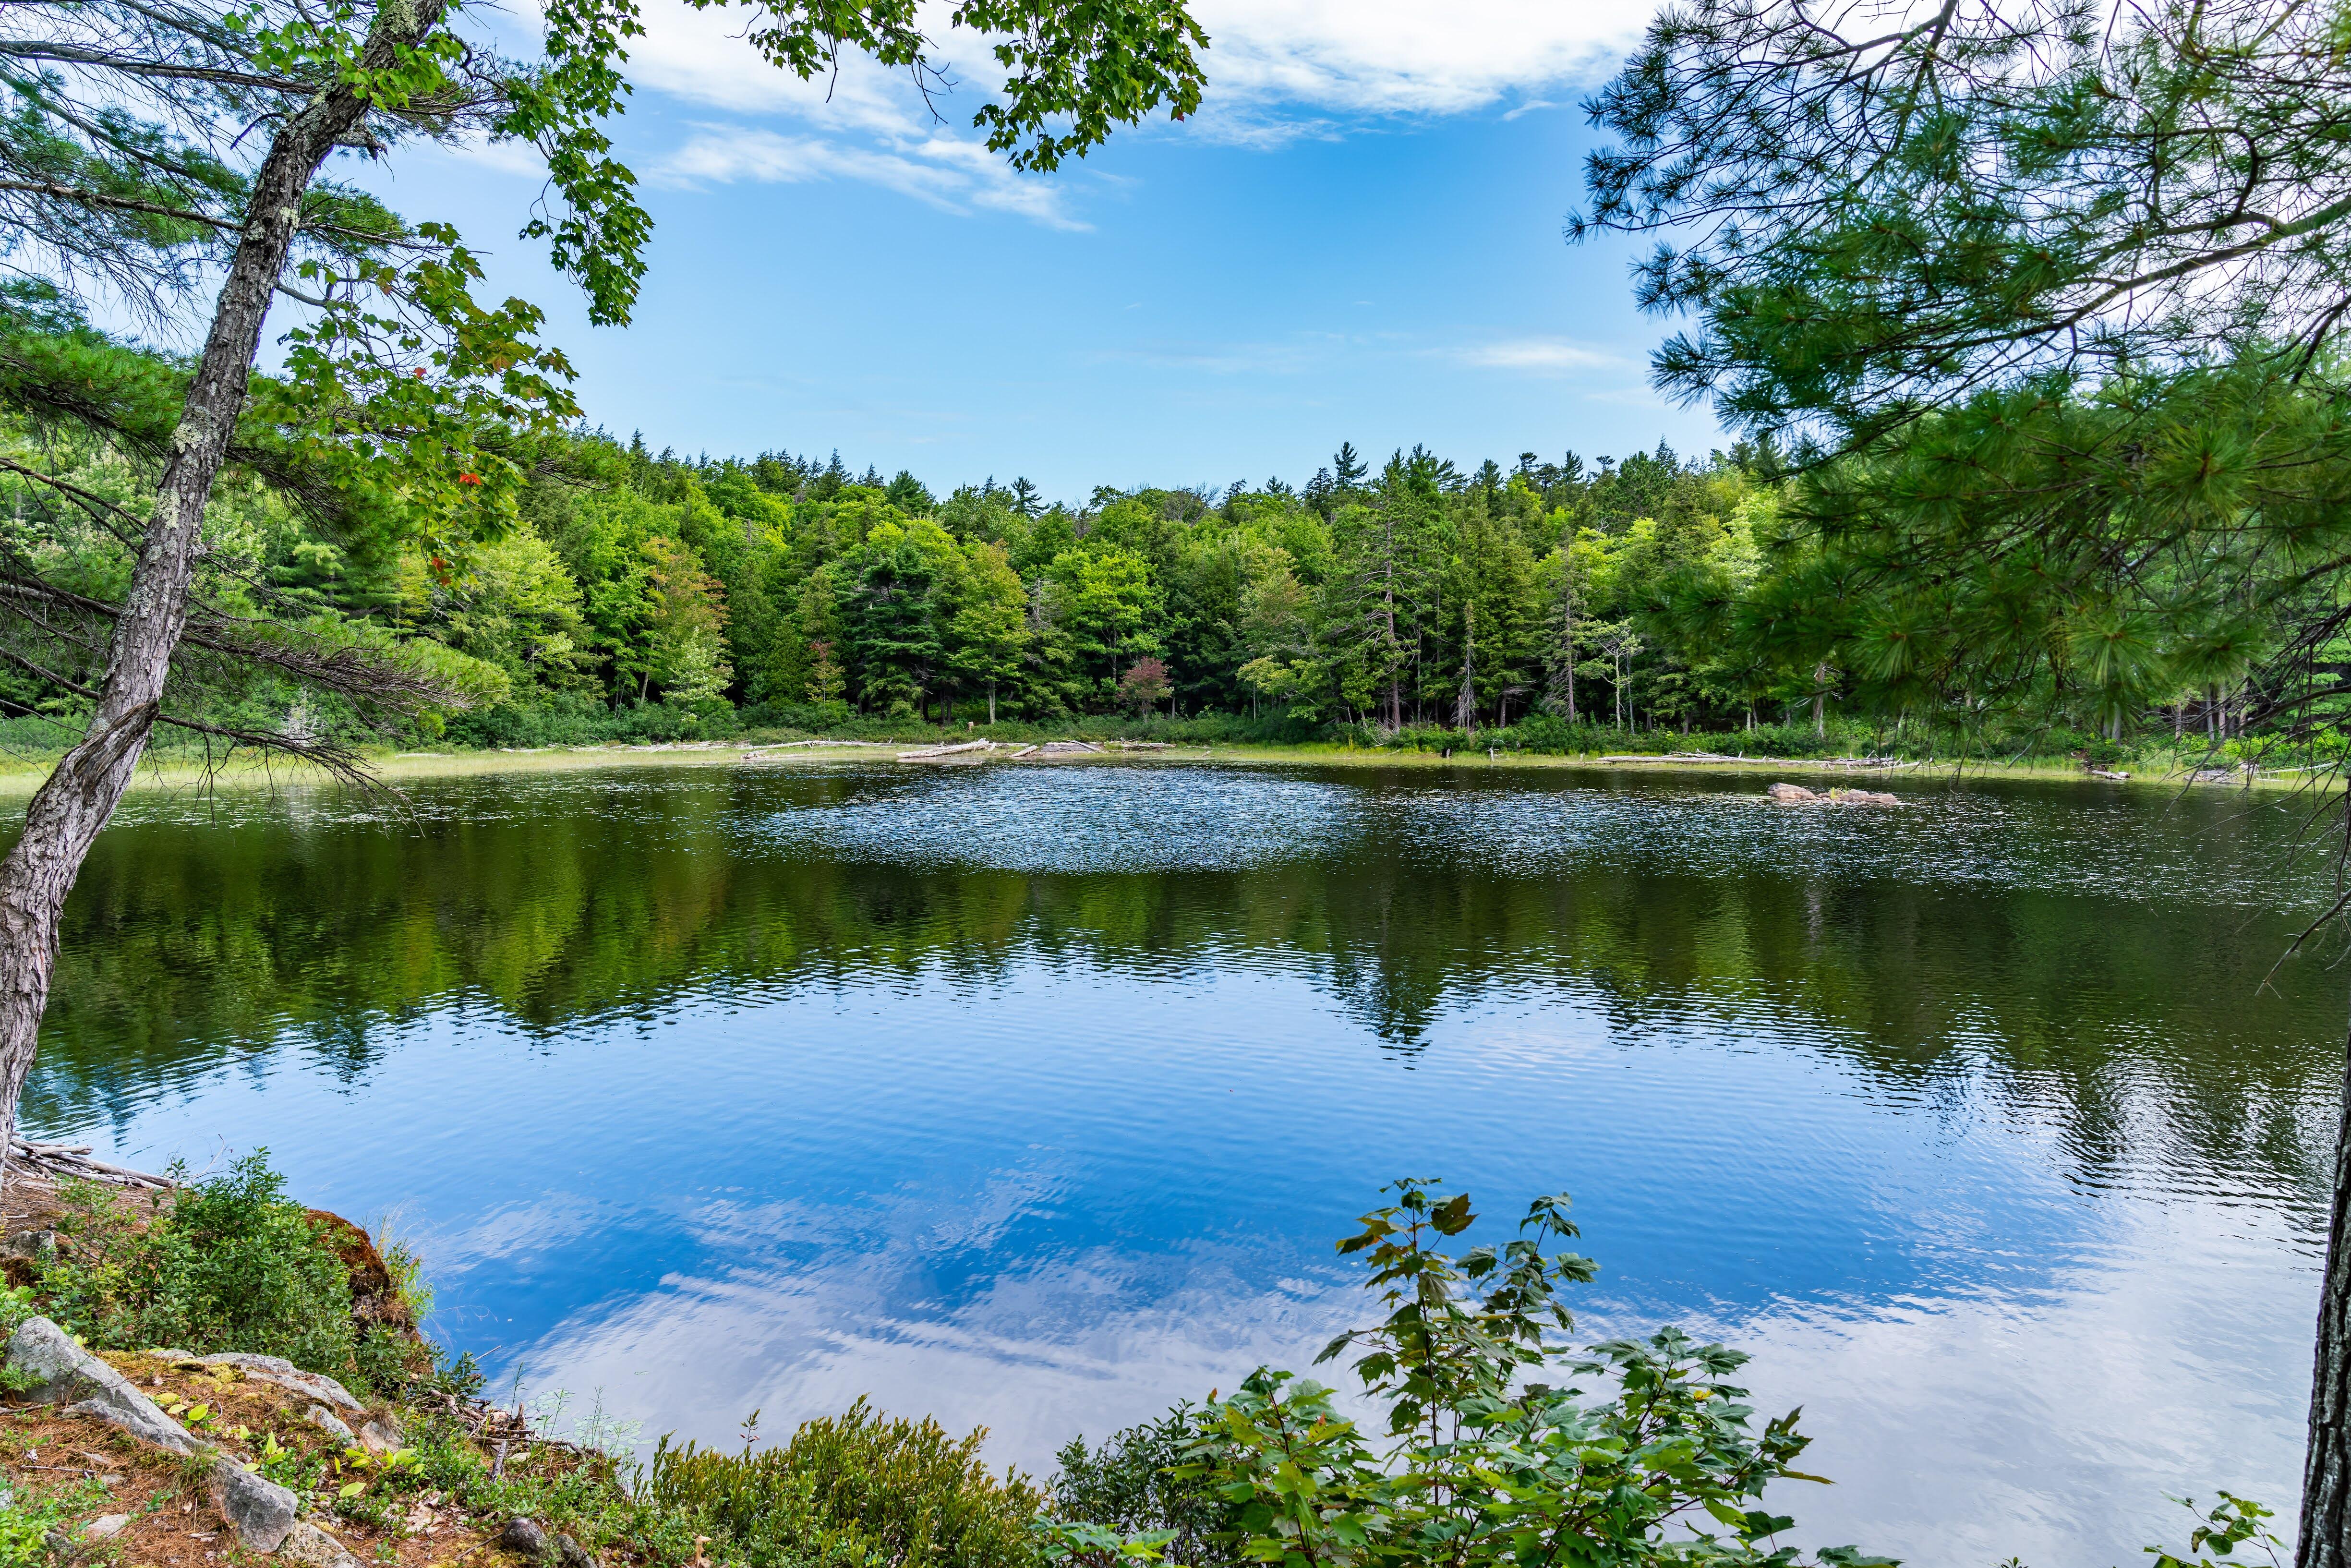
(1550, 604)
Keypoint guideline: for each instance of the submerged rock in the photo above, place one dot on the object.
(1797, 795)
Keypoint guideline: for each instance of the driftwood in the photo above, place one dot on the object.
(73, 1160)
(1024, 751)
(930, 753)
(1064, 747)
(1142, 745)
(788, 744)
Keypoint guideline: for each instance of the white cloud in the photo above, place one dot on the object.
(1407, 57)
(940, 171)
(1279, 71)
(1550, 355)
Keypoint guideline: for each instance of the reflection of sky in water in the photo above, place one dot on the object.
(1057, 1198)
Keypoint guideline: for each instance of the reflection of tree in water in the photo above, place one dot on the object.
(2137, 1031)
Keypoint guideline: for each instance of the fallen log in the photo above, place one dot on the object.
(73, 1160)
(929, 752)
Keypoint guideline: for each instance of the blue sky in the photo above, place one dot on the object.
(1359, 240)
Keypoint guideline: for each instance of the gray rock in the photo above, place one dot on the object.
(71, 1376)
(276, 1369)
(574, 1555)
(105, 1525)
(524, 1535)
(37, 1245)
(307, 1543)
(327, 1421)
(261, 1510)
(378, 1436)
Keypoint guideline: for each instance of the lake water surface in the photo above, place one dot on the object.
(1035, 1096)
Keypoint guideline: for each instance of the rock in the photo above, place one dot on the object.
(261, 1510)
(37, 1245)
(327, 1421)
(307, 1543)
(1864, 798)
(276, 1369)
(375, 1298)
(105, 1526)
(378, 1436)
(1791, 794)
(86, 1385)
(574, 1555)
(524, 1535)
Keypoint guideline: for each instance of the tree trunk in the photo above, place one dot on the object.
(64, 818)
(1465, 710)
(2325, 1538)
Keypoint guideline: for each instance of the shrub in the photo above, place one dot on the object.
(851, 1491)
(227, 1264)
(1130, 1486)
(1487, 1463)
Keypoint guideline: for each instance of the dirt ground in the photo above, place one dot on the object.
(172, 1521)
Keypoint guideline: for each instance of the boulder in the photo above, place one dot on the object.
(1791, 794)
(71, 1376)
(327, 1421)
(524, 1535)
(1864, 797)
(105, 1525)
(36, 1246)
(378, 1436)
(261, 1510)
(307, 1544)
(276, 1369)
(574, 1555)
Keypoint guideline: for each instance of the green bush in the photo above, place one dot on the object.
(26, 1521)
(1130, 1485)
(1485, 1461)
(853, 1490)
(228, 1264)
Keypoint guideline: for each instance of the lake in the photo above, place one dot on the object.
(1035, 1096)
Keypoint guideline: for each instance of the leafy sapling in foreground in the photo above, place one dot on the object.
(1484, 1460)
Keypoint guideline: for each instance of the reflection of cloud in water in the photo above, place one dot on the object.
(1093, 820)
(2061, 1416)
(2055, 1406)
(1043, 1351)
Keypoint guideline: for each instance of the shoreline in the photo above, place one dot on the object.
(20, 778)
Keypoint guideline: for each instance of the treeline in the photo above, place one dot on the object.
(707, 592)
(634, 595)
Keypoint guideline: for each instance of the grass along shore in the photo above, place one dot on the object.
(22, 772)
